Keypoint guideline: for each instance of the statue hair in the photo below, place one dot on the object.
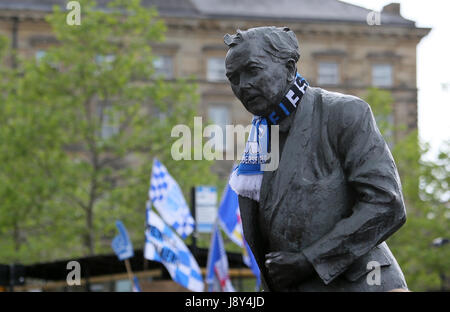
(280, 42)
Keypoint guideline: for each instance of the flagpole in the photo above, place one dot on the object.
(129, 272)
(122, 246)
(194, 232)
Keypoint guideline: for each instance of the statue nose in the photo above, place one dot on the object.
(246, 85)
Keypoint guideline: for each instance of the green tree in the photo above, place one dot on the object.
(83, 125)
(26, 183)
(426, 193)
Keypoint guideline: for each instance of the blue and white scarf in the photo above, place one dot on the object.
(246, 178)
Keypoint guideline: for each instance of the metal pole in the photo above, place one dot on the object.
(88, 283)
(11, 277)
(194, 233)
(15, 40)
(240, 280)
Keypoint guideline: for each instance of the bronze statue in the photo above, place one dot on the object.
(318, 222)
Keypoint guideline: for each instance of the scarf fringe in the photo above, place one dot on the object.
(246, 185)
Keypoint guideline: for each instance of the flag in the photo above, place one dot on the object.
(250, 261)
(164, 246)
(166, 196)
(217, 276)
(229, 216)
(121, 244)
(123, 248)
(230, 220)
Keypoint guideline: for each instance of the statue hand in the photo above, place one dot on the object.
(287, 268)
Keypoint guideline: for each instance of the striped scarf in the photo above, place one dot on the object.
(247, 176)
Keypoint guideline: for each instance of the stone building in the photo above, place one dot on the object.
(344, 48)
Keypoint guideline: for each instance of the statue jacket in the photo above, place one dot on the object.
(336, 196)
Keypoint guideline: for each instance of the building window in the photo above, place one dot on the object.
(382, 75)
(328, 73)
(105, 62)
(216, 69)
(163, 65)
(105, 59)
(110, 122)
(220, 115)
(39, 55)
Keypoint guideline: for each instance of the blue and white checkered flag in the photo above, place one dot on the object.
(230, 219)
(121, 244)
(163, 245)
(169, 201)
(217, 276)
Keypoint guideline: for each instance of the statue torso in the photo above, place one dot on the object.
(294, 210)
(274, 233)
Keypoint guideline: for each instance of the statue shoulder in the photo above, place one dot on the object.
(344, 108)
(339, 102)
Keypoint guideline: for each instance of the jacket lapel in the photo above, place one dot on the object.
(279, 180)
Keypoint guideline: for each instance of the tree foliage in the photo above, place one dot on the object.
(426, 192)
(79, 129)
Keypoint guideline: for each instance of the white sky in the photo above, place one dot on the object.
(433, 65)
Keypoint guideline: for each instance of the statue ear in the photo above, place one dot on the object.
(292, 69)
(228, 39)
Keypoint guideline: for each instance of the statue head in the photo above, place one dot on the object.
(261, 66)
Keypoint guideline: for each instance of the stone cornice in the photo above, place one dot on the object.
(353, 30)
(23, 15)
(301, 28)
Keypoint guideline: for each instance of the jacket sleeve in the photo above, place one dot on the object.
(378, 211)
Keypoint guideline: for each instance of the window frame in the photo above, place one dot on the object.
(215, 77)
(165, 56)
(379, 64)
(228, 112)
(337, 74)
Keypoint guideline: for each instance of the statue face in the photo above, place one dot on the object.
(256, 80)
